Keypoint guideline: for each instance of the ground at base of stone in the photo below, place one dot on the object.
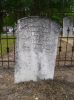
(61, 88)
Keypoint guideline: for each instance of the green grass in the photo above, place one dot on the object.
(3, 44)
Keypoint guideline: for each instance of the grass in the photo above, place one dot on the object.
(6, 42)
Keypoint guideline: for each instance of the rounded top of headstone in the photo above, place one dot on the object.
(38, 21)
(32, 17)
(67, 18)
(35, 21)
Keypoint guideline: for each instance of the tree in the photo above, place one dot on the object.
(1, 15)
(15, 9)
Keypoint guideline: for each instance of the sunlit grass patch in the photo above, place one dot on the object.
(6, 42)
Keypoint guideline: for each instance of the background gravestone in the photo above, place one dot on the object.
(67, 23)
(36, 49)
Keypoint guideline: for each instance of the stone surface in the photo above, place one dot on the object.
(67, 23)
(36, 49)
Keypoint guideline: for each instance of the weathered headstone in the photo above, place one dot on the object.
(67, 27)
(36, 49)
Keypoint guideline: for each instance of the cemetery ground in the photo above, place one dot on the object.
(61, 88)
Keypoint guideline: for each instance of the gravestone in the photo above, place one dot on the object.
(67, 25)
(36, 49)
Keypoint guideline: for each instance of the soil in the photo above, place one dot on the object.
(61, 88)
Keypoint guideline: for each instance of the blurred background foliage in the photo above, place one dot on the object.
(12, 10)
